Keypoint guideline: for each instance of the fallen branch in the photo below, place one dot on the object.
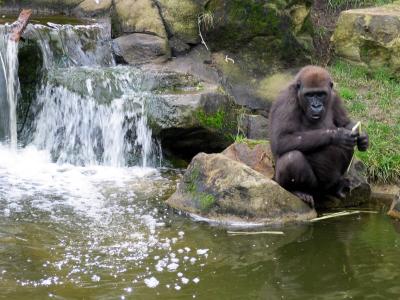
(20, 25)
(335, 215)
(255, 232)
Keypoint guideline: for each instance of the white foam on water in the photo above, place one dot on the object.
(29, 173)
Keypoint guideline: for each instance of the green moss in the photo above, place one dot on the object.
(215, 121)
(191, 181)
(244, 19)
(206, 201)
(240, 139)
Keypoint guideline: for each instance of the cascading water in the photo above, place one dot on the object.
(10, 84)
(87, 112)
(83, 189)
(102, 121)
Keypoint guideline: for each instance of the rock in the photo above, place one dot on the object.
(93, 8)
(394, 211)
(139, 48)
(370, 36)
(204, 120)
(359, 192)
(42, 7)
(254, 153)
(254, 126)
(384, 194)
(178, 47)
(139, 16)
(256, 92)
(254, 40)
(180, 17)
(227, 191)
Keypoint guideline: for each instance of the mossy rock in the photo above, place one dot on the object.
(138, 16)
(94, 8)
(180, 17)
(370, 36)
(225, 190)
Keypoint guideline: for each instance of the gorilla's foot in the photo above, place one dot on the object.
(307, 198)
(342, 189)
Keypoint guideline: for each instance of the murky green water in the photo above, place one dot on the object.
(128, 245)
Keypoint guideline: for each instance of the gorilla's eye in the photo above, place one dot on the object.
(331, 84)
(315, 95)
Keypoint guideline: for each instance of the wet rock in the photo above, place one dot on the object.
(394, 211)
(370, 36)
(224, 190)
(359, 191)
(139, 48)
(254, 153)
(42, 7)
(178, 47)
(203, 119)
(384, 193)
(254, 126)
(138, 16)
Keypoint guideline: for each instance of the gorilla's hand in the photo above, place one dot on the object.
(344, 137)
(363, 142)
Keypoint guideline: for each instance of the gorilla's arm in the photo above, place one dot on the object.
(342, 120)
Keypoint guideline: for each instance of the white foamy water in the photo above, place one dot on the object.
(8, 100)
(29, 173)
(78, 130)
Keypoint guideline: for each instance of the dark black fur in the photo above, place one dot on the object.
(312, 152)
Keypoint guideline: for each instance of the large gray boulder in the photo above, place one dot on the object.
(140, 48)
(223, 190)
(370, 36)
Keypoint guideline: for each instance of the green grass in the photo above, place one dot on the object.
(335, 5)
(373, 97)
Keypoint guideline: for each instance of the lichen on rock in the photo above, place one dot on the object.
(370, 36)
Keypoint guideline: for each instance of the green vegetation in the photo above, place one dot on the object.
(215, 121)
(373, 97)
(346, 4)
(204, 200)
(241, 139)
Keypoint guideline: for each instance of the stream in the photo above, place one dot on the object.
(82, 190)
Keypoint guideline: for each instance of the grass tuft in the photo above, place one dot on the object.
(335, 5)
(373, 97)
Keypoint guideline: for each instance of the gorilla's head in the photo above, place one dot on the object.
(314, 90)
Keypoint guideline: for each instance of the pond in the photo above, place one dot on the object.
(69, 232)
(82, 200)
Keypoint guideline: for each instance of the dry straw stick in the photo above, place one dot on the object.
(255, 232)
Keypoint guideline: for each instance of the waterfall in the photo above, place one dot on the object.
(76, 129)
(10, 84)
(87, 111)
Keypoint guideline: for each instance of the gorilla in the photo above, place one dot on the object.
(311, 137)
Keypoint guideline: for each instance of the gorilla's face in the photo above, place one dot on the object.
(314, 102)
